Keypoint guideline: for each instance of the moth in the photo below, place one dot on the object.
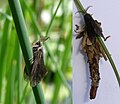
(38, 70)
(93, 27)
(92, 48)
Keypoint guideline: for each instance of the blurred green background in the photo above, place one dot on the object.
(38, 16)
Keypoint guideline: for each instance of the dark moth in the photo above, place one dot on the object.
(93, 27)
(38, 70)
(92, 48)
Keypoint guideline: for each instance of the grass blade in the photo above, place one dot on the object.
(53, 17)
(4, 41)
(9, 95)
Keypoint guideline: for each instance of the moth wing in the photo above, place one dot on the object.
(97, 28)
(99, 32)
(33, 77)
(94, 25)
(41, 66)
(38, 70)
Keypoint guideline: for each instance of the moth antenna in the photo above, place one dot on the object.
(85, 10)
(43, 38)
(88, 8)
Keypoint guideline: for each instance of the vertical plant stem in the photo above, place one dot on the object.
(79, 6)
(25, 44)
(53, 17)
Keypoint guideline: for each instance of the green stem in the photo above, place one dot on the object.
(110, 59)
(33, 18)
(25, 44)
(81, 8)
(53, 17)
(24, 93)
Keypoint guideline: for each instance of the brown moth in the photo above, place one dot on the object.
(38, 70)
(92, 48)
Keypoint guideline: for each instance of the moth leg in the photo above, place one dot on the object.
(98, 23)
(80, 35)
(105, 38)
(78, 30)
(81, 32)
